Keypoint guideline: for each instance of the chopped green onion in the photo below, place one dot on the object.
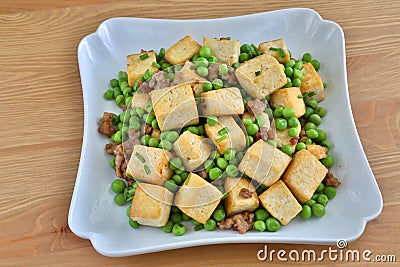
(325, 85)
(258, 73)
(222, 138)
(311, 94)
(187, 180)
(148, 74)
(144, 56)
(300, 96)
(280, 51)
(146, 169)
(223, 131)
(140, 157)
(156, 65)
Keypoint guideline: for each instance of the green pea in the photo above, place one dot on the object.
(119, 199)
(247, 121)
(168, 227)
(310, 202)
(153, 142)
(260, 189)
(298, 65)
(118, 186)
(326, 144)
(278, 112)
(273, 224)
(195, 57)
(217, 83)
(144, 140)
(207, 86)
(176, 163)
(243, 57)
(232, 171)
(329, 161)
(260, 120)
(184, 175)
(212, 120)
(320, 188)
(318, 210)
(322, 199)
(222, 163)
(201, 62)
(321, 136)
(287, 149)
(114, 83)
(288, 112)
(290, 63)
(288, 85)
(109, 94)
(154, 124)
(259, 226)
(309, 112)
(280, 124)
(210, 225)
(178, 229)
(127, 91)
(306, 212)
(193, 130)
(300, 146)
(171, 185)
(312, 103)
(250, 140)
(133, 224)
(316, 119)
(252, 129)
(314, 196)
(128, 211)
(309, 125)
(321, 111)
(235, 65)
(293, 122)
(245, 48)
(185, 217)
(116, 91)
(330, 192)
(112, 162)
(165, 144)
(315, 64)
(176, 217)
(218, 215)
(312, 133)
(239, 155)
(289, 71)
(201, 130)
(306, 57)
(282, 67)
(229, 154)
(261, 214)
(212, 59)
(296, 82)
(123, 85)
(269, 112)
(271, 142)
(297, 74)
(215, 173)
(172, 136)
(222, 69)
(293, 132)
(175, 209)
(205, 51)
(119, 100)
(140, 112)
(202, 71)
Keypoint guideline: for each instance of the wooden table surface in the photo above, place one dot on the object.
(42, 122)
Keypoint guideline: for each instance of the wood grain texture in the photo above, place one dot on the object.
(42, 113)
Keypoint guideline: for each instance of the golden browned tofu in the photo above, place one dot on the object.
(222, 102)
(242, 196)
(282, 138)
(318, 151)
(175, 107)
(151, 205)
(280, 203)
(264, 163)
(289, 97)
(192, 149)
(137, 67)
(226, 51)
(139, 100)
(183, 50)
(197, 198)
(150, 164)
(304, 175)
(261, 76)
(279, 43)
(311, 82)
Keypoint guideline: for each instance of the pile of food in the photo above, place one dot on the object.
(220, 134)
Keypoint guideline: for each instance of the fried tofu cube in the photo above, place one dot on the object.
(234, 138)
(182, 50)
(140, 99)
(151, 205)
(261, 76)
(304, 175)
(150, 164)
(175, 107)
(264, 163)
(137, 67)
(226, 51)
(192, 149)
(311, 82)
(318, 151)
(242, 196)
(222, 102)
(197, 198)
(279, 43)
(289, 97)
(282, 138)
(280, 203)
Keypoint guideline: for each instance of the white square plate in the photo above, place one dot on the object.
(93, 214)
